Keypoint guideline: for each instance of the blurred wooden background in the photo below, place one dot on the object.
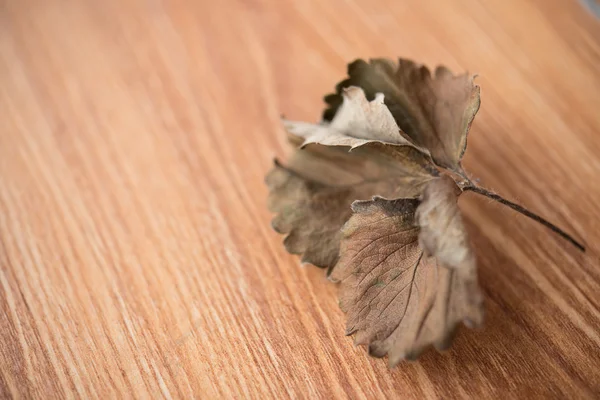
(137, 259)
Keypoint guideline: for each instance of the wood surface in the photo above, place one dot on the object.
(137, 258)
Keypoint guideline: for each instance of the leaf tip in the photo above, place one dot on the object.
(379, 98)
(394, 361)
(329, 275)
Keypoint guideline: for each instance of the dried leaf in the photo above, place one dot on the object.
(356, 123)
(399, 300)
(407, 271)
(434, 111)
(313, 193)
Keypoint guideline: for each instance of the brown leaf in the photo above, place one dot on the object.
(356, 123)
(313, 193)
(434, 111)
(400, 301)
(407, 271)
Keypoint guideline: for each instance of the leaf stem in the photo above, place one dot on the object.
(524, 211)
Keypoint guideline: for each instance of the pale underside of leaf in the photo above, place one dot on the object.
(442, 229)
(398, 300)
(312, 194)
(356, 123)
(434, 111)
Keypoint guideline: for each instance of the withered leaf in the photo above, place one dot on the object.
(406, 269)
(312, 194)
(407, 280)
(356, 123)
(434, 111)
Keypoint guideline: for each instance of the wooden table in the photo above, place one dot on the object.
(136, 254)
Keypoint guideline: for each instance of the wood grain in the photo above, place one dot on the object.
(136, 254)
